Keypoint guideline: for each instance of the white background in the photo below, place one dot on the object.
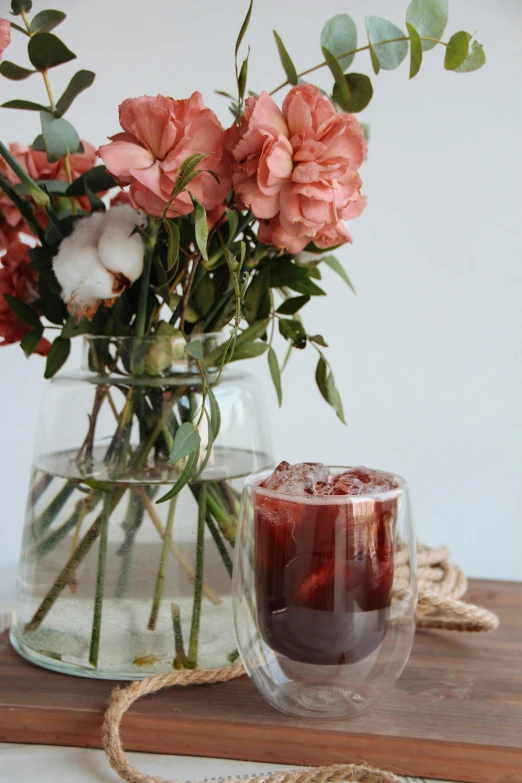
(427, 355)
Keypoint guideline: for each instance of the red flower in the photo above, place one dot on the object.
(19, 280)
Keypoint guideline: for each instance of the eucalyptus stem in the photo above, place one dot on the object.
(160, 580)
(100, 580)
(198, 584)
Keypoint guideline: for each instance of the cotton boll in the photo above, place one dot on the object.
(119, 250)
(83, 279)
(87, 231)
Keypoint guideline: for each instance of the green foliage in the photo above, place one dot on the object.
(79, 82)
(201, 228)
(186, 440)
(342, 91)
(186, 474)
(475, 59)
(293, 305)
(23, 311)
(195, 349)
(44, 21)
(390, 55)
(244, 27)
(339, 35)
(57, 356)
(334, 263)
(14, 72)
(59, 136)
(360, 92)
(16, 103)
(46, 50)
(17, 6)
(374, 59)
(173, 243)
(429, 19)
(415, 50)
(29, 342)
(286, 274)
(326, 385)
(98, 179)
(293, 331)
(286, 60)
(275, 373)
(456, 50)
(233, 220)
(36, 192)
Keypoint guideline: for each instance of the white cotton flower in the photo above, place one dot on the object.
(99, 259)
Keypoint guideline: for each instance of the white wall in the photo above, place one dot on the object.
(428, 354)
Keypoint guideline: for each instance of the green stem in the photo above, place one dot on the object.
(134, 518)
(47, 516)
(160, 580)
(141, 317)
(198, 582)
(180, 661)
(225, 522)
(214, 532)
(82, 507)
(352, 52)
(100, 581)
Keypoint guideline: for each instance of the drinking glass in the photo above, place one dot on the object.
(324, 595)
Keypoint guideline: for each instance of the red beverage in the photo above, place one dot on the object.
(324, 565)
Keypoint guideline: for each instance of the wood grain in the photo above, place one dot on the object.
(456, 712)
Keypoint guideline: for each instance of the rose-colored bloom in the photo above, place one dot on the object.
(159, 134)
(19, 280)
(297, 169)
(5, 35)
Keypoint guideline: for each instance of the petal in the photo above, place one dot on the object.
(122, 156)
(149, 178)
(151, 122)
(265, 114)
(275, 166)
(262, 206)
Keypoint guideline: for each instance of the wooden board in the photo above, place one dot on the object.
(455, 713)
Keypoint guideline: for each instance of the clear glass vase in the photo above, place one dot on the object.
(112, 583)
(325, 592)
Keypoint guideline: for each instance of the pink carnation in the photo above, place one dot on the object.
(5, 35)
(159, 134)
(297, 169)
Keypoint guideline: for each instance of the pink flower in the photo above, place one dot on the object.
(5, 35)
(159, 134)
(297, 169)
(17, 279)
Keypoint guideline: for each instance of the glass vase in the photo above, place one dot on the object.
(325, 593)
(113, 583)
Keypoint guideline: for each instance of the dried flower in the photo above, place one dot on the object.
(298, 168)
(19, 280)
(100, 259)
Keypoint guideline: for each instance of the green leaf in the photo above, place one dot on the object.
(201, 228)
(257, 329)
(79, 82)
(286, 61)
(334, 263)
(51, 302)
(341, 86)
(186, 440)
(475, 59)
(25, 105)
(14, 72)
(98, 178)
(326, 385)
(29, 342)
(57, 356)
(292, 276)
(390, 55)
(215, 414)
(306, 286)
(59, 136)
(429, 18)
(360, 91)
(456, 50)
(374, 59)
(415, 50)
(244, 27)
(20, 29)
(233, 220)
(291, 306)
(248, 351)
(45, 21)
(242, 78)
(17, 6)
(195, 349)
(276, 374)
(173, 247)
(45, 50)
(293, 331)
(23, 311)
(186, 474)
(256, 294)
(204, 294)
(339, 35)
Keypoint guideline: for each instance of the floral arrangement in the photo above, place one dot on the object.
(211, 227)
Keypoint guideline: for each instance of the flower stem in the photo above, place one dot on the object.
(150, 244)
(100, 581)
(225, 523)
(180, 661)
(48, 515)
(160, 580)
(198, 584)
(133, 520)
(227, 562)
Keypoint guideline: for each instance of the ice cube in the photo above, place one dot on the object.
(362, 481)
(299, 479)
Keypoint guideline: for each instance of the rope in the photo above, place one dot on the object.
(441, 585)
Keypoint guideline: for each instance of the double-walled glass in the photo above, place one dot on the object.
(112, 583)
(325, 594)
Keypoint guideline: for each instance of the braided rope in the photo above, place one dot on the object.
(441, 585)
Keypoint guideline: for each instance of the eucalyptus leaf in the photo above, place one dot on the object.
(201, 228)
(173, 244)
(334, 263)
(415, 50)
(79, 82)
(20, 29)
(275, 372)
(14, 72)
(46, 50)
(57, 356)
(475, 59)
(23, 311)
(360, 91)
(286, 60)
(343, 92)
(339, 35)
(17, 6)
(16, 103)
(293, 305)
(429, 18)
(44, 21)
(186, 474)
(98, 179)
(374, 59)
(456, 50)
(390, 55)
(293, 331)
(195, 349)
(59, 136)
(186, 441)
